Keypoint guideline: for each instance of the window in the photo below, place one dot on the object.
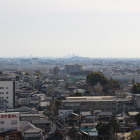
(1, 122)
(6, 87)
(32, 135)
(6, 97)
(13, 122)
(7, 92)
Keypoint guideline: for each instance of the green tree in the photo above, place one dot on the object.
(55, 106)
(103, 131)
(135, 135)
(133, 81)
(108, 86)
(77, 94)
(111, 86)
(17, 77)
(137, 119)
(114, 126)
(37, 74)
(96, 77)
(136, 88)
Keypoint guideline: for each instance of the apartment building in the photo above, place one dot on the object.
(7, 94)
(73, 68)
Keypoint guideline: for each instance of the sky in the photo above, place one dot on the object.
(88, 28)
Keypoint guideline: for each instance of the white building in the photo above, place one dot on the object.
(7, 94)
(9, 121)
(104, 103)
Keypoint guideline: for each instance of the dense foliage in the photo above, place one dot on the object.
(96, 77)
(77, 94)
(108, 130)
(108, 85)
(135, 135)
(136, 88)
(103, 130)
(114, 125)
(137, 119)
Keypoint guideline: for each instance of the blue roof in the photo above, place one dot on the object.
(90, 131)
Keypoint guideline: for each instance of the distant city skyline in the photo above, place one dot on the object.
(87, 28)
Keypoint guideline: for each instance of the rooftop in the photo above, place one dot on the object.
(97, 98)
(41, 121)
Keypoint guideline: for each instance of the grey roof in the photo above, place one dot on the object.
(40, 121)
(21, 109)
(122, 115)
(29, 115)
(105, 114)
(27, 127)
(86, 113)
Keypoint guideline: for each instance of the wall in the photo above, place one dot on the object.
(9, 121)
(7, 92)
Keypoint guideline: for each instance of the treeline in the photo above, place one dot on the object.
(108, 85)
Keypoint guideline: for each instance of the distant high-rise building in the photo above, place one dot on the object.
(24, 62)
(34, 61)
(56, 70)
(69, 68)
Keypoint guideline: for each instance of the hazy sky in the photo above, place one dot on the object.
(93, 28)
